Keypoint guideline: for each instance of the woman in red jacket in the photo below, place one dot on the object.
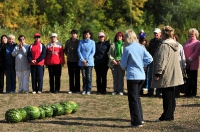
(54, 60)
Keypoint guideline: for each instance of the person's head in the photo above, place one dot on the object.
(74, 34)
(53, 37)
(4, 39)
(130, 36)
(119, 36)
(157, 33)
(142, 31)
(143, 40)
(21, 39)
(101, 36)
(176, 37)
(87, 34)
(37, 37)
(193, 33)
(167, 32)
(11, 39)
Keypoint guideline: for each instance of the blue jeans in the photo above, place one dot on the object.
(87, 78)
(10, 78)
(149, 78)
(37, 73)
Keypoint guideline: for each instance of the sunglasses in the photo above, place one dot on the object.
(37, 36)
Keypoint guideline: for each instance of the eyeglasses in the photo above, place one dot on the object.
(21, 39)
(37, 36)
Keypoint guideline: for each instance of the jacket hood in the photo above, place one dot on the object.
(172, 43)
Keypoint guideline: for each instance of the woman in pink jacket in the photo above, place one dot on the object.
(191, 49)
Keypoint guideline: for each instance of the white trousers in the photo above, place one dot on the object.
(23, 80)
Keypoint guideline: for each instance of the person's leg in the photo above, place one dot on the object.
(194, 74)
(20, 80)
(115, 78)
(40, 72)
(168, 104)
(57, 77)
(104, 78)
(83, 70)
(134, 103)
(77, 77)
(177, 91)
(34, 77)
(150, 89)
(98, 77)
(89, 78)
(51, 78)
(13, 79)
(120, 80)
(1, 80)
(26, 75)
(8, 78)
(71, 75)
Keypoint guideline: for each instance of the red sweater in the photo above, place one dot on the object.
(54, 54)
(37, 51)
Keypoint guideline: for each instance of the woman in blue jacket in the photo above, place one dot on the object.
(86, 51)
(133, 60)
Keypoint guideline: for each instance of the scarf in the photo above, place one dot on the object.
(118, 50)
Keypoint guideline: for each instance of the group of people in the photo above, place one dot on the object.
(162, 63)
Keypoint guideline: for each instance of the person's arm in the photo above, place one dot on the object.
(92, 52)
(29, 55)
(66, 48)
(195, 54)
(124, 59)
(15, 51)
(62, 57)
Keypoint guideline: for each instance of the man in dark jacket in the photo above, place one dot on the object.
(153, 46)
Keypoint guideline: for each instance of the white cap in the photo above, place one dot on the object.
(53, 35)
(142, 31)
(157, 30)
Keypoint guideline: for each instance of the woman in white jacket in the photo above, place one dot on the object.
(22, 66)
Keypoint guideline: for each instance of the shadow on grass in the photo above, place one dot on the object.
(79, 121)
(191, 105)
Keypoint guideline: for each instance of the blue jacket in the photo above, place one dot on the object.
(10, 60)
(86, 51)
(134, 59)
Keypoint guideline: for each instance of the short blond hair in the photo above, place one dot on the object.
(130, 36)
(195, 31)
(168, 32)
(11, 36)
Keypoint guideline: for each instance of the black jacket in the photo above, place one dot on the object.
(2, 56)
(101, 54)
(154, 44)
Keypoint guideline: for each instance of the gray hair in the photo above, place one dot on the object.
(195, 31)
(130, 36)
(11, 36)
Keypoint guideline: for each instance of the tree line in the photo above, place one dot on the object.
(46, 16)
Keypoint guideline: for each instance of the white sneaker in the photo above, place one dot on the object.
(145, 89)
(114, 93)
(34, 92)
(121, 93)
(39, 92)
(84, 92)
(88, 93)
(143, 122)
(70, 92)
(135, 126)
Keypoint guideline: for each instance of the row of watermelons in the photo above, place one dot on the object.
(40, 112)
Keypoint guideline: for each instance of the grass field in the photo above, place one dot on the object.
(98, 113)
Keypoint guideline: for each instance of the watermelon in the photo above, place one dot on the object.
(13, 116)
(33, 112)
(48, 110)
(55, 110)
(42, 113)
(74, 105)
(23, 114)
(67, 108)
(60, 109)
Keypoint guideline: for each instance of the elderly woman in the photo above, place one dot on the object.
(191, 49)
(133, 60)
(114, 55)
(167, 72)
